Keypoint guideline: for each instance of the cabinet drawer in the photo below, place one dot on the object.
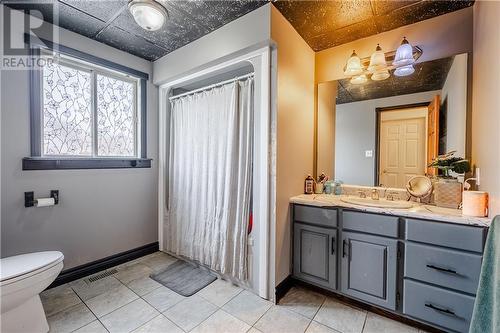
(446, 234)
(444, 267)
(315, 215)
(371, 223)
(438, 306)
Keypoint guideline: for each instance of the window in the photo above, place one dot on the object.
(85, 114)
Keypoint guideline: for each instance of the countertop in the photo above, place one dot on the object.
(420, 211)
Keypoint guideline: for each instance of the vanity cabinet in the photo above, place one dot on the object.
(315, 246)
(424, 270)
(369, 268)
(315, 255)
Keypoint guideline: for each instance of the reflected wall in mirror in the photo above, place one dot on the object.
(386, 132)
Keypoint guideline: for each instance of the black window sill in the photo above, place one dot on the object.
(44, 163)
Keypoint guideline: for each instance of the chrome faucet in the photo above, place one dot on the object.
(375, 194)
(391, 196)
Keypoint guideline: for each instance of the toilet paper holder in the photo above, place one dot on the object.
(30, 201)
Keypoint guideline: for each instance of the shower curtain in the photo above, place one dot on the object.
(210, 177)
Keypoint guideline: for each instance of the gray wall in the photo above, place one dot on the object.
(101, 212)
(355, 133)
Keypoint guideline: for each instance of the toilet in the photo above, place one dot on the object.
(22, 279)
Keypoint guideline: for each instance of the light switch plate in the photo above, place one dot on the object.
(368, 153)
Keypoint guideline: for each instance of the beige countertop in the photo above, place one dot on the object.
(417, 211)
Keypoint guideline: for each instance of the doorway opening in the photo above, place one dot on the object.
(407, 138)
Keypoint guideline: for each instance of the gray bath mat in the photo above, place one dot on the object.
(184, 278)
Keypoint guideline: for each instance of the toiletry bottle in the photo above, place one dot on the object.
(309, 185)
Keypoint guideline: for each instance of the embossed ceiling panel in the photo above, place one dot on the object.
(428, 76)
(110, 22)
(325, 24)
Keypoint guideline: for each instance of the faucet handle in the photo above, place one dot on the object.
(362, 194)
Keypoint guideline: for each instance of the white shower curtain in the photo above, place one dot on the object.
(210, 177)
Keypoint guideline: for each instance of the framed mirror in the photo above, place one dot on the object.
(382, 133)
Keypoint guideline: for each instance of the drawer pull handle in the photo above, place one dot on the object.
(433, 307)
(446, 270)
(333, 245)
(344, 244)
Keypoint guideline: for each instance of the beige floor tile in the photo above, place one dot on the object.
(247, 307)
(341, 317)
(315, 327)
(110, 300)
(159, 324)
(93, 327)
(143, 285)
(58, 299)
(87, 290)
(219, 292)
(280, 320)
(222, 322)
(129, 317)
(158, 261)
(190, 312)
(70, 319)
(162, 298)
(303, 301)
(375, 324)
(128, 273)
(253, 330)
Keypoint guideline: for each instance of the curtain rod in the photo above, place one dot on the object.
(212, 86)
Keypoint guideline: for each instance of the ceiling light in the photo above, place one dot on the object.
(359, 79)
(404, 54)
(377, 60)
(148, 14)
(404, 70)
(353, 66)
(380, 75)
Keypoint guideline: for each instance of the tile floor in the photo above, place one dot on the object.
(129, 301)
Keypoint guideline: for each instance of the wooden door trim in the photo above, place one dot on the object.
(378, 112)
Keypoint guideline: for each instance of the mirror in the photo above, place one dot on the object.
(386, 132)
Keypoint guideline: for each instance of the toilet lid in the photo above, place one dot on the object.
(22, 264)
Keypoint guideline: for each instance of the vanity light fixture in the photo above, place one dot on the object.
(404, 54)
(353, 66)
(377, 60)
(148, 14)
(359, 79)
(404, 70)
(380, 75)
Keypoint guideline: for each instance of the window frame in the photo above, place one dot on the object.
(86, 62)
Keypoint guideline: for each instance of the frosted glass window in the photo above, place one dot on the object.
(115, 117)
(67, 113)
(88, 111)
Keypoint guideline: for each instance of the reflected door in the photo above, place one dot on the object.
(433, 133)
(402, 150)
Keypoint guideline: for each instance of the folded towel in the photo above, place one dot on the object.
(486, 315)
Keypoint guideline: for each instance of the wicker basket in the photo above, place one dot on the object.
(448, 193)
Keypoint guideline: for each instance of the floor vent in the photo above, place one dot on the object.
(99, 276)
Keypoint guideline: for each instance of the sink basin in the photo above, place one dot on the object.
(377, 203)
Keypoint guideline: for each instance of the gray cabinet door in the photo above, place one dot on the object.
(369, 267)
(314, 258)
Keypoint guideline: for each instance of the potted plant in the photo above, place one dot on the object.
(447, 190)
(448, 162)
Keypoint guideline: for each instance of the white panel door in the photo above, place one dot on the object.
(402, 150)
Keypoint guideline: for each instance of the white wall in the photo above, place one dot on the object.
(355, 125)
(486, 99)
(246, 31)
(101, 212)
(455, 89)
